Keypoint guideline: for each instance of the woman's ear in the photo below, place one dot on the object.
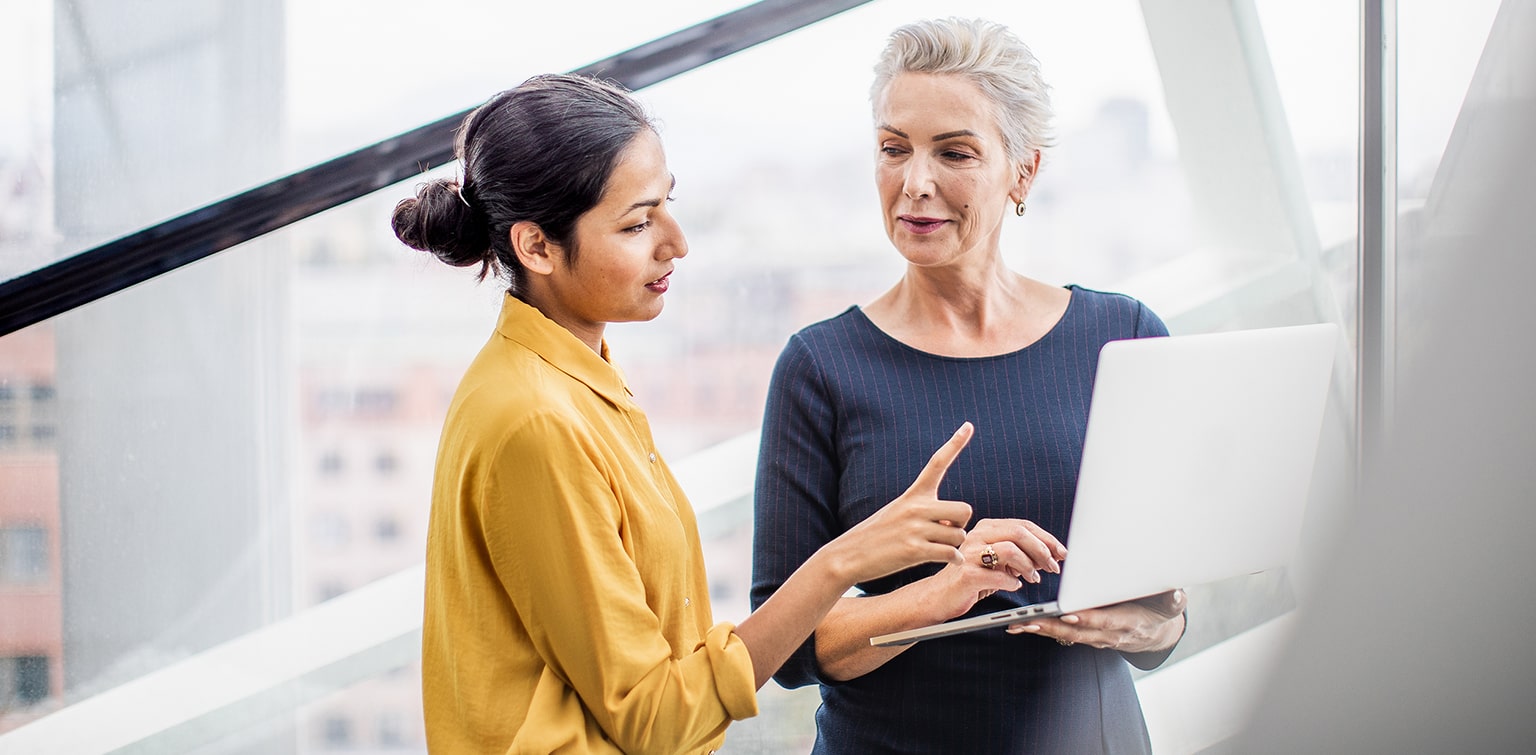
(535, 250)
(1026, 179)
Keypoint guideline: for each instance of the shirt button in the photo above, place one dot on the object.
(653, 457)
(687, 602)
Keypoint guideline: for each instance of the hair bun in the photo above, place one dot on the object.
(438, 221)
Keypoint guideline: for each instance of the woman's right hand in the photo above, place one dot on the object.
(916, 528)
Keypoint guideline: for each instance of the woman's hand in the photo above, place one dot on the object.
(1019, 547)
(1136, 626)
(1020, 550)
(916, 528)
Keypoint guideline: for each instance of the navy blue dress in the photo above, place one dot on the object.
(852, 417)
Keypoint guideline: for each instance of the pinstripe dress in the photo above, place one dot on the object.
(852, 416)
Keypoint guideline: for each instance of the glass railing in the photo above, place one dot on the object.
(201, 468)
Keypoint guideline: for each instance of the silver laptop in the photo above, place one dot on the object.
(1196, 467)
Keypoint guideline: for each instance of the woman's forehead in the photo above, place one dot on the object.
(926, 105)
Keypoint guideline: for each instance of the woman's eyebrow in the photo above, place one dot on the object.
(649, 202)
(953, 134)
(936, 137)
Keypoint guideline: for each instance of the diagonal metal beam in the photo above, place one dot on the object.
(182, 240)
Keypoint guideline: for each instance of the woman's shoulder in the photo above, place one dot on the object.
(837, 331)
(1105, 300)
(509, 391)
(842, 322)
(1119, 311)
(841, 344)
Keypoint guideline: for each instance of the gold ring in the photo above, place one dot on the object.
(989, 557)
(1063, 642)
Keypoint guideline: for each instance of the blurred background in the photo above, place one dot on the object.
(214, 484)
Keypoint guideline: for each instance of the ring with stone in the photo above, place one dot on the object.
(989, 557)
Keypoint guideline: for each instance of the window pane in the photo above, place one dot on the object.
(254, 434)
(31, 679)
(156, 108)
(1442, 51)
(23, 555)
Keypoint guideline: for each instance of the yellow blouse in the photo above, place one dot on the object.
(567, 608)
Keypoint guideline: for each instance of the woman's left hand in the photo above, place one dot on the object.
(1137, 626)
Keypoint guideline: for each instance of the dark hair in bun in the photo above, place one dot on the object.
(541, 152)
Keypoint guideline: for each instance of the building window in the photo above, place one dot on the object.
(386, 529)
(338, 731)
(376, 401)
(333, 401)
(361, 402)
(331, 464)
(42, 393)
(23, 555)
(386, 463)
(23, 680)
(391, 730)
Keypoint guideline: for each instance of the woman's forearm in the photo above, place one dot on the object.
(842, 641)
(781, 624)
(916, 528)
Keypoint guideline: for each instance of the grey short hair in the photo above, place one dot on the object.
(988, 55)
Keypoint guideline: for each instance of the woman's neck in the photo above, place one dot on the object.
(968, 313)
(589, 333)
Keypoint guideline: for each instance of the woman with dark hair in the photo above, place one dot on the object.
(960, 118)
(567, 608)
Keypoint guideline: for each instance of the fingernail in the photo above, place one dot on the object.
(1030, 628)
(1014, 630)
(1034, 576)
(1070, 618)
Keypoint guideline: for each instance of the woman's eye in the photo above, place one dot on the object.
(891, 151)
(953, 155)
(638, 227)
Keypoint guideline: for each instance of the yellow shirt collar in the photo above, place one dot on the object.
(526, 325)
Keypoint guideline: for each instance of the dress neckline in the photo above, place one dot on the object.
(870, 324)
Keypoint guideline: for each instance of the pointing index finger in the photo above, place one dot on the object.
(938, 464)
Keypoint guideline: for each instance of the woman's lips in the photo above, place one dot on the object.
(920, 225)
(660, 284)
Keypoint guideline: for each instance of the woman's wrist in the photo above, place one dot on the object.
(933, 600)
(830, 566)
(1167, 635)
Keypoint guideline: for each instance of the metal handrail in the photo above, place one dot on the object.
(200, 233)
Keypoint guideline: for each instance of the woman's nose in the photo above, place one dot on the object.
(674, 244)
(919, 179)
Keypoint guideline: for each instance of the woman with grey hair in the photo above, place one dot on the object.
(961, 116)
